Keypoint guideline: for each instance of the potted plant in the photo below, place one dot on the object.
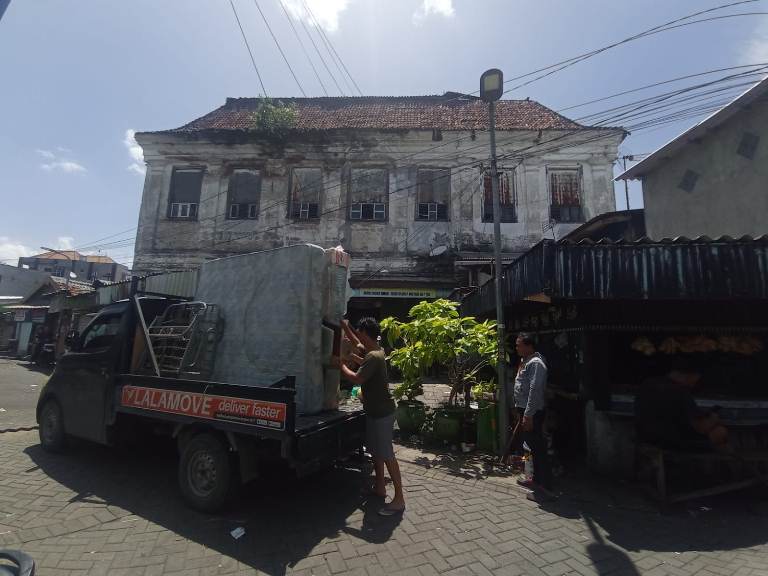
(436, 335)
(411, 413)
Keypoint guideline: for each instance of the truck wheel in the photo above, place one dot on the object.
(205, 473)
(52, 437)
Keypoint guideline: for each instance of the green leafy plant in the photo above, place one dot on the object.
(436, 335)
(273, 116)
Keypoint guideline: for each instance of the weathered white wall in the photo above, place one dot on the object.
(731, 194)
(402, 243)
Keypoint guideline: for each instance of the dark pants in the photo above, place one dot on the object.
(542, 469)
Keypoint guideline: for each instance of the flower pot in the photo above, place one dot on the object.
(410, 416)
(487, 432)
(448, 424)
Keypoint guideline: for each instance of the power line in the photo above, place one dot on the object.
(454, 141)
(540, 148)
(266, 22)
(332, 51)
(303, 48)
(320, 55)
(248, 46)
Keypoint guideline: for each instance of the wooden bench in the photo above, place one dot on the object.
(653, 459)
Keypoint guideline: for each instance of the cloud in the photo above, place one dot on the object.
(326, 11)
(11, 251)
(63, 165)
(47, 154)
(56, 162)
(137, 154)
(755, 50)
(65, 243)
(433, 7)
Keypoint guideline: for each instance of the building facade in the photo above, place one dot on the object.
(402, 183)
(712, 179)
(86, 268)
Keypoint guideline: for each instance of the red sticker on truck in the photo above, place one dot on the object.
(240, 410)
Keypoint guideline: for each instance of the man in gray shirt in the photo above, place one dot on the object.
(530, 384)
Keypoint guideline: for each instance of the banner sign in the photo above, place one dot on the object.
(404, 292)
(224, 408)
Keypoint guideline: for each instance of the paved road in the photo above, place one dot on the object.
(97, 511)
(20, 384)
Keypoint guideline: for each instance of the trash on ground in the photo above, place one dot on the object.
(238, 532)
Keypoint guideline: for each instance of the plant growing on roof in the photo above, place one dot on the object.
(273, 116)
(437, 335)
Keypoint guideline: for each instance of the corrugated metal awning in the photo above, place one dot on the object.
(687, 270)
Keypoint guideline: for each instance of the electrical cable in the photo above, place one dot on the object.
(303, 48)
(320, 55)
(248, 46)
(280, 48)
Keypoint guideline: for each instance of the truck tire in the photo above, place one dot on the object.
(205, 473)
(51, 431)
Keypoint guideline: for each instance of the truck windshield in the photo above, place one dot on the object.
(101, 332)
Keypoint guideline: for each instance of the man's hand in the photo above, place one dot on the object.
(527, 423)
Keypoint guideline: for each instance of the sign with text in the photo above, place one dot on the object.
(224, 408)
(398, 292)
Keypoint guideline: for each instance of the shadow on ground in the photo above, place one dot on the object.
(284, 518)
(626, 516)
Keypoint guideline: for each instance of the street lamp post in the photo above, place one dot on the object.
(491, 89)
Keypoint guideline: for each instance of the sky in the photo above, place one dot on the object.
(78, 77)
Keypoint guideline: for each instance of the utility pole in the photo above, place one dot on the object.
(626, 182)
(491, 89)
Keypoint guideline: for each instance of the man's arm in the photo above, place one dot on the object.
(350, 334)
(354, 377)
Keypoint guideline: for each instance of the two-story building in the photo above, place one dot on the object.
(61, 263)
(402, 183)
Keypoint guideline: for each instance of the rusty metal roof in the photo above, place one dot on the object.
(671, 269)
(450, 111)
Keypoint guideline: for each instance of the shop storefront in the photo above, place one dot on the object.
(610, 316)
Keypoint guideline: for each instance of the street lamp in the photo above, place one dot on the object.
(491, 89)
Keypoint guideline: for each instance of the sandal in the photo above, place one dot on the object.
(371, 493)
(386, 511)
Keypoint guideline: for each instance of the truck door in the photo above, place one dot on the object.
(86, 376)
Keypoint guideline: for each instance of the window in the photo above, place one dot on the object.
(184, 198)
(507, 196)
(688, 183)
(433, 194)
(101, 332)
(368, 192)
(565, 195)
(748, 145)
(60, 271)
(306, 186)
(244, 194)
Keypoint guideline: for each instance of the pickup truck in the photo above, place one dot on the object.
(226, 433)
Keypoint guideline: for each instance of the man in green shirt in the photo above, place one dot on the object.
(380, 411)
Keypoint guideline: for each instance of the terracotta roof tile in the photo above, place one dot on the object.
(451, 111)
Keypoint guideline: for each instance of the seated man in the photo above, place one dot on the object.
(667, 415)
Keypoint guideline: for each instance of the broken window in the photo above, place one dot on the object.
(186, 184)
(306, 186)
(565, 195)
(688, 183)
(507, 196)
(368, 194)
(244, 194)
(433, 194)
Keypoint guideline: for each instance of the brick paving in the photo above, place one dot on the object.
(96, 511)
